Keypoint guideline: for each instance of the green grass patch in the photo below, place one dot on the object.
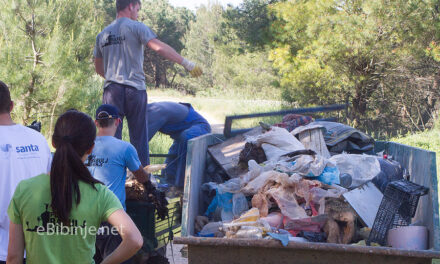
(159, 144)
(429, 140)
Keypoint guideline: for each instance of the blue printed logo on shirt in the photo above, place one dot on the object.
(26, 149)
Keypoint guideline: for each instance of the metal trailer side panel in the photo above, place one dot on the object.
(421, 165)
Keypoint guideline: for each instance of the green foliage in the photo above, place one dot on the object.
(251, 22)
(370, 53)
(215, 45)
(170, 25)
(45, 53)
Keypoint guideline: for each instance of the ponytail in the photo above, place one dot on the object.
(74, 135)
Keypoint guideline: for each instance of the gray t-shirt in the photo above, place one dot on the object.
(121, 45)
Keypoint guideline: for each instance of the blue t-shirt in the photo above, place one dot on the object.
(109, 161)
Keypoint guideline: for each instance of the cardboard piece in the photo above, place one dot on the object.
(365, 200)
(227, 153)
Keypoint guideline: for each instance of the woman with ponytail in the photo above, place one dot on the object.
(55, 218)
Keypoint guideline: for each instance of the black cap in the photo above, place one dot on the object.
(106, 111)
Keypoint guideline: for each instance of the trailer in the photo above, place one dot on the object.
(421, 165)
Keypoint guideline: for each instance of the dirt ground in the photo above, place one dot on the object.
(178, 258)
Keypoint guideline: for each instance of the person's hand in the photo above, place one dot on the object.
(200, 222)
(196, 72)
(190, 66)
(158, 199)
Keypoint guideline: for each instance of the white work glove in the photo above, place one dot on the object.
(193, 69)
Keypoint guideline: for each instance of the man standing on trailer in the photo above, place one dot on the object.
(119, 57)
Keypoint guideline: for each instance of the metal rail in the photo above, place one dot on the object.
(228, 132)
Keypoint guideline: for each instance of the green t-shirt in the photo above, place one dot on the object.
(46, 239)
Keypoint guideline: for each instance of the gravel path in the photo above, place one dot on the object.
(178, 259)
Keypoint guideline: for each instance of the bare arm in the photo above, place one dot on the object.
(165, 50)
(99, 67)
(131, 238)
(16, 244)
(170, 54)
(141, 175)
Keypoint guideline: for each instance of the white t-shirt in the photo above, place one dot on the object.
(24, 153)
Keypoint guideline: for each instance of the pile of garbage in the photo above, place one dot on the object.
(318, 182)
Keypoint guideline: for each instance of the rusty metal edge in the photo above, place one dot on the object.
(198, 241)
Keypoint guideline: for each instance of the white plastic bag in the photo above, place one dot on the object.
(277, 142)
(231, 186)
(287, 203)
(360, 167)
(309, 165)
(255, 170)
(239, 204)
(211, 228)
(256, 184)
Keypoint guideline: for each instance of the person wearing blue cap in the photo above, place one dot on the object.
(108, 163)
(181, 122)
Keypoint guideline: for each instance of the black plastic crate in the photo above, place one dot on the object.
(143, 215)
(398, 206)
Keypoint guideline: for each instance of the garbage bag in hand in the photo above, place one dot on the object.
(159, 200)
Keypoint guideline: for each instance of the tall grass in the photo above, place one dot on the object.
(159, 144)
(429, 140)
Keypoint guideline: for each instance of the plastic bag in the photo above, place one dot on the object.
(246, 232)
(277, 142)
(258, 183)
(261, 202)
(275, 220)
(232, 204)
(361, 167)
(223, 201)
(250, 216)
(318, 196)
(239, 204)
(210, 229)
(329, 176)
(286, 201)
(255, 170)
(309, 165)
(390, 170)
(231, 186)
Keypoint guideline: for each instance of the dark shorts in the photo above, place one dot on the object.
(132, 104)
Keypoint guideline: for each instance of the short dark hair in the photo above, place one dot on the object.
(105, 122)
(5, 98)
(122, 4)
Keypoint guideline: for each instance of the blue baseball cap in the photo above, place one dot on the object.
(106, 111)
